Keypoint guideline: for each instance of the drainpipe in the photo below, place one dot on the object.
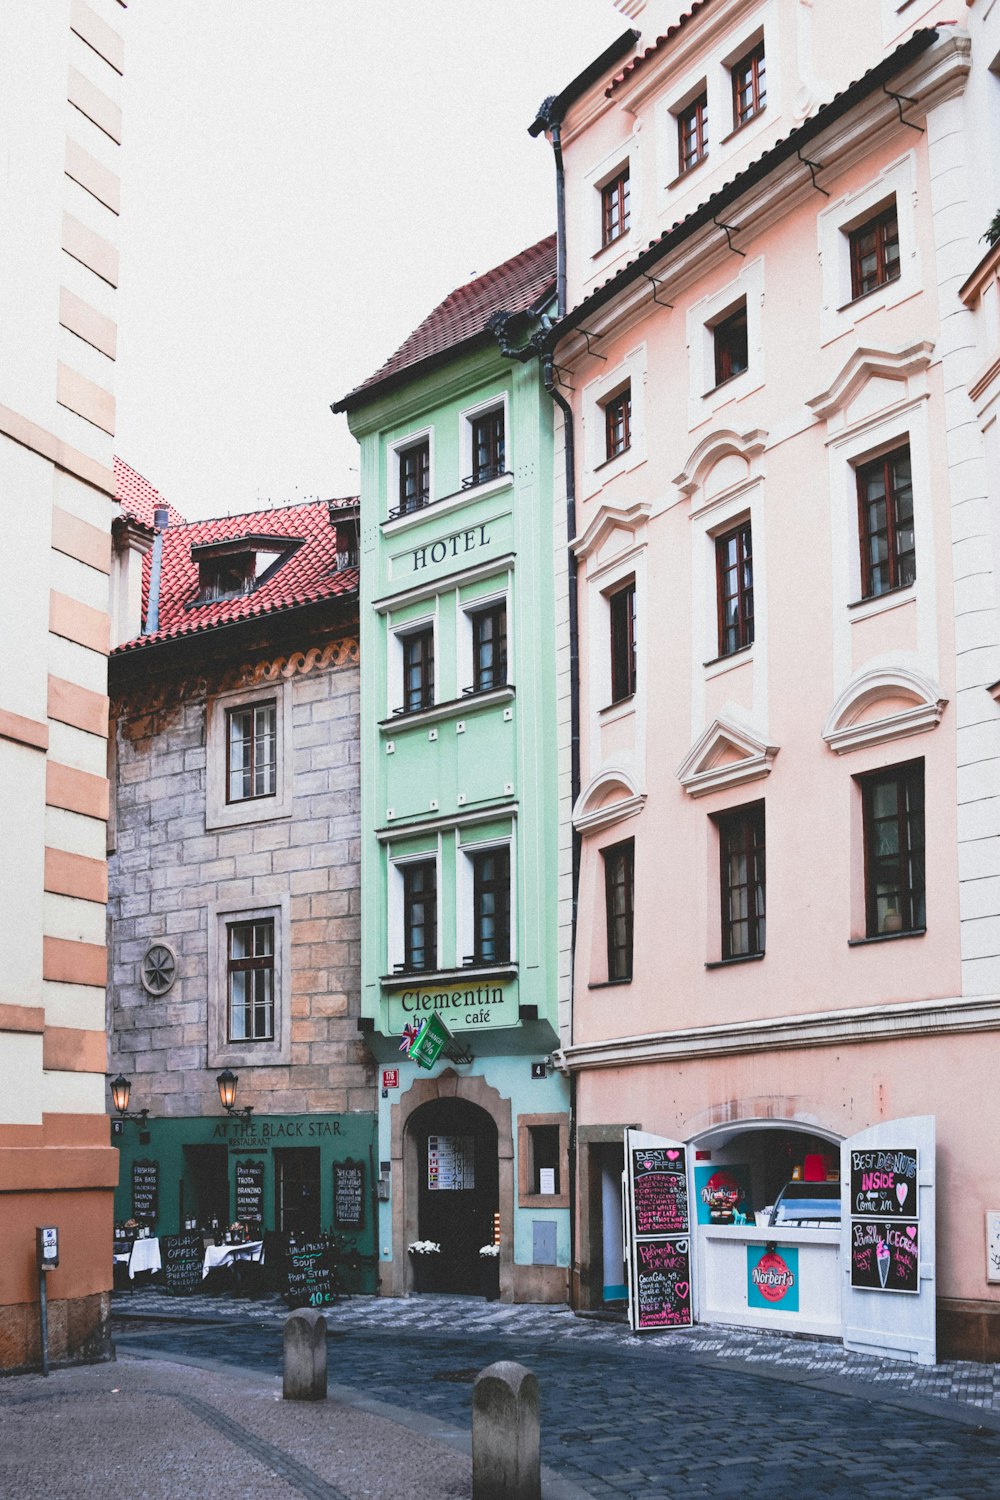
(161, 520)
(553, 124)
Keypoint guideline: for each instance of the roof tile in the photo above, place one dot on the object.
(138, 499)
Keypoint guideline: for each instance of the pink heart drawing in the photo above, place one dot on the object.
(901, 1192)
(682, 1288)
(673, 1155)
(647, 1165)
(911, 1230)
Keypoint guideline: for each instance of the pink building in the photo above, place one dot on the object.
(778, 354)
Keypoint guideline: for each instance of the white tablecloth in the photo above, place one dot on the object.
(225, 1255)
(145, 1257)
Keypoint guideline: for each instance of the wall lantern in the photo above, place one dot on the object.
(121, 1087)
(228, 1083)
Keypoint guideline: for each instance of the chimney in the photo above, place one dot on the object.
(161, 520)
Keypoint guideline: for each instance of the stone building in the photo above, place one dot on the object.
(61, 124)
(234, 876)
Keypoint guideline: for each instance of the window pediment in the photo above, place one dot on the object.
(881, 705)
(611, 797)
(721, 462)
(726, 755)
(872, 380)
(612, 532)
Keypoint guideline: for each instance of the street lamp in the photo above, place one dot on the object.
(228, 1082)
(121, 1087)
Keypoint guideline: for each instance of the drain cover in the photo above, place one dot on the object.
(458, 1377)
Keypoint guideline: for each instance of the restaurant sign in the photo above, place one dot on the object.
(462, 1007)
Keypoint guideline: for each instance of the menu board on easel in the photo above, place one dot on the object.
(250, 1192)
(349, 1194)
(657, 1232)
(145, 1191)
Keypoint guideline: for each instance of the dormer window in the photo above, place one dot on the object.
(227, 577)
(229, 570)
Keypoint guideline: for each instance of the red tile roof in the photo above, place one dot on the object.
(308, 574)
(138, 499)
(661, 41)
(521, 283)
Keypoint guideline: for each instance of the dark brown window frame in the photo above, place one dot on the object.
(232, 714)
(414, 476)
(899, 568)
(619, 874)
(622, 610)
(911, 878)
(735, 635)
(741, 836)
(420, 959)
(615, 206)
(731, 344)
(886, 269)
(421, 695)
(618, 423)
(488, 436)
(692, 134)
(253, 963)
(749, 76)
(494, 888)
(486, 680)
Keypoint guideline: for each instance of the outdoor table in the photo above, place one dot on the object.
(228, 1255)
(145, 1256)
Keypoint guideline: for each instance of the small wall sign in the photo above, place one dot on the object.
(773, 1278)
(993, 1245)
(390, 1078)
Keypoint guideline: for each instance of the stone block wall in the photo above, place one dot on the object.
(168, 873)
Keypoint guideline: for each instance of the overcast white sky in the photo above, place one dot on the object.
(303, 181)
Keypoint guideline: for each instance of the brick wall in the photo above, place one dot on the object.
(168, 873)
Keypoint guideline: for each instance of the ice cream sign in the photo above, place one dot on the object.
(885, 1256)
(884, 1247)
(773, 1277)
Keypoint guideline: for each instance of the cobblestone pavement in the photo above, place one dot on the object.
(710, 1412)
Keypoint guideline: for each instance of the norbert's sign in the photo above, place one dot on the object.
(460, 1006)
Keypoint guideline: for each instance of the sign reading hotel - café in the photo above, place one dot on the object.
(461, 1007)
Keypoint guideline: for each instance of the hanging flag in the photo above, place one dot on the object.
(433, 1037)
(410, 1033)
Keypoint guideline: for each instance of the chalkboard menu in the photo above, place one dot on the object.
(308, 1276)
(349, 1194)
(663, 1284)
(659, 1179)
(182, 1257)
(885, 1256)
(884, 1183)
(145, 1191)
(250, 1192)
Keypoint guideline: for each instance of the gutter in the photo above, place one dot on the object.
(556, 105)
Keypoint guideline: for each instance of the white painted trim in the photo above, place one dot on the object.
(704, 396)
(588, 817)
(222, 814)
(446, 504)
(223, 1053)
(597, 468)
(842, 734)
(466, 417)
(714, 446)
(861, 366)
(393, 450)
(839, 310)
(456, 820)
(390, 603)
(608, 519)
(758, 758)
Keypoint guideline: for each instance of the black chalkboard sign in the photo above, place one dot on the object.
(349, 1194)
(145, 1191)
(659, 1178)
(885, 1257)
(308, 1275)
(250, 1192)
(884, 1183)
(663, 1283)
(182, 1257)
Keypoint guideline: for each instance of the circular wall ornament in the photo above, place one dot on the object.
(159, 969)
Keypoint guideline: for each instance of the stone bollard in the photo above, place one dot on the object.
(506, 1457)
(305, 1356)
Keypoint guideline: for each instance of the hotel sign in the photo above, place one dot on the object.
(462, 1007)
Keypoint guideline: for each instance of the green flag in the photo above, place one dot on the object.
(432, 1036)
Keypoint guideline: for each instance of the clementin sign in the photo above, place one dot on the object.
(460, 1006)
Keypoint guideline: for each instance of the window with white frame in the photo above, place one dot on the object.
(485, 443)
(725, 337)
(412, 668)
(614, 421)
(488, 638)
(484, 903)
(249, 1003)
(608, 205)
(249, 774)
(410, 476)
(414, 946)
(868, 249)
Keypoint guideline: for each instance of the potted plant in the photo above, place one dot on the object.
(489, 1271)
(423, 1257)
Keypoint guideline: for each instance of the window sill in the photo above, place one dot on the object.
(620, 706)
(610, 245)
(727, 963)
(744, 125)
(614, 457)
(729, 380)
(424, 978)
(731, 658)
(871, 292)
(898, 595)
(688, 172)
(609, 984)
(886, 937)
(454, 501)
(451, 708)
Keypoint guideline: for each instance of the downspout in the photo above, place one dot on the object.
(554, 127)
(161, 520)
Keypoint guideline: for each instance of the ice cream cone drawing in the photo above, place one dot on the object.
(882, 1259)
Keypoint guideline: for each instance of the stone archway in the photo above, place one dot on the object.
(396, 1277)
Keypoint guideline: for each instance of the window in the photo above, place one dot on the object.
(893, 816)
(251, 751)
(692, 134)
(542, 1153)
(250, 980)
(488, 447)
(734, 582)
(729, 338)
(619, 891)
(418, 670)
(741, 870)
(618, 423)
(749, 86)
(615, 207)
(885, 524)
(491, 906)
(414, 477)
(420, 915)
(875, 252)
(623, 643)
(489, 648)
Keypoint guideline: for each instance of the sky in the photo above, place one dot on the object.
(303, 181)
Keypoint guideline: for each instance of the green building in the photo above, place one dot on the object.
(460, 870)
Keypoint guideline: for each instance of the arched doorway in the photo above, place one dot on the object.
(457, 1189)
